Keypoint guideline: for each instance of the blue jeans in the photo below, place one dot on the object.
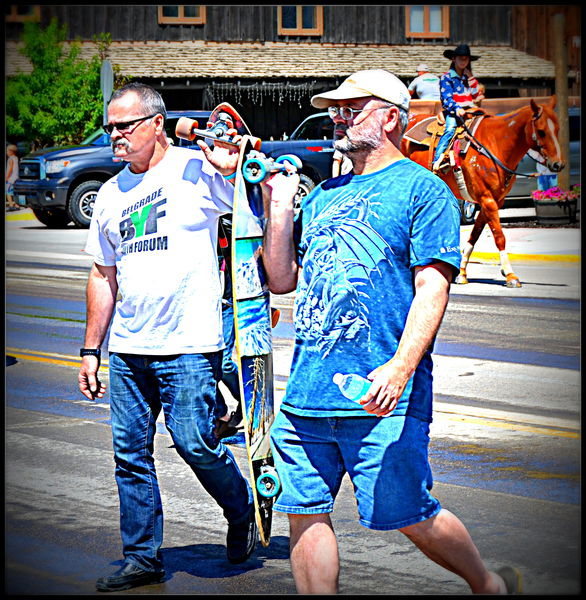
(184, 386)
(229, 367)
(447, 135)
(544, 182)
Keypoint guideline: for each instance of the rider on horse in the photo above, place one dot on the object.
(459, 89)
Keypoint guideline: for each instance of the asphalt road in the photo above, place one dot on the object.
(505, 446)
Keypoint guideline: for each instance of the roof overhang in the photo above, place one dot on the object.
(293, 61)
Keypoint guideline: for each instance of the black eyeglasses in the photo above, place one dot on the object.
(124, 127)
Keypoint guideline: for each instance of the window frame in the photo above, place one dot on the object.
(300, 30)
(14, 17)
(181, 19)
(426, 34)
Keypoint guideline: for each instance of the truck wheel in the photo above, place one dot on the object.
(53, 218)
(81, 202)
(306, 184)
(468, 210)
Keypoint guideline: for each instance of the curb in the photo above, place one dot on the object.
(21, 217)
(494, 257)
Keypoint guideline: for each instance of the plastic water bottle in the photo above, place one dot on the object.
(352, 386)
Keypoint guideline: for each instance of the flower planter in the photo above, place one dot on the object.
(555, 206)
(552, 212)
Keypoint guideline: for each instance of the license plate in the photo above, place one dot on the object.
(21, 200)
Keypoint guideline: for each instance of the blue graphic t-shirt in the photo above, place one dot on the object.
(360, 238)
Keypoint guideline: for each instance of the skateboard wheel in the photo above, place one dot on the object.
(255, 142)
(184, 128)
(268, 485)
(254, 170)
(294, 160)
(275, 316)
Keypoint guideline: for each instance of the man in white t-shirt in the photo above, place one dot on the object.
(153, 237)
(426, 85)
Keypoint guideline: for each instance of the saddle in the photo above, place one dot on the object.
(428, 131)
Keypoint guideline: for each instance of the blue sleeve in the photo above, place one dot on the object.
(447, 94)
(435, 226)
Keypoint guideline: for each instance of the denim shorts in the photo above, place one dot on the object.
(385, 458)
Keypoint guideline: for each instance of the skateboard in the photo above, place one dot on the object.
(223, 124)
(253, 316)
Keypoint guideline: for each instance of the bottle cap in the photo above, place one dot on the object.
(338, 378)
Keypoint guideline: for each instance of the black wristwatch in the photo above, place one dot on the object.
(91, 352)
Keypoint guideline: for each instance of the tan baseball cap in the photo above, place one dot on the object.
(362, 84)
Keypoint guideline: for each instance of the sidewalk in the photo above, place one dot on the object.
(527, 244)
(523, 243)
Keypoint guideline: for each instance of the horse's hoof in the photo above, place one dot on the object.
(512, 281)
(461, 279)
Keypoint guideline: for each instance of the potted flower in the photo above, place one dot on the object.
(556, 206)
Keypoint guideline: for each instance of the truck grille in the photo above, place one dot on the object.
(29, 170)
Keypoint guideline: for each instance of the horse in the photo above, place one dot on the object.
(488, 179)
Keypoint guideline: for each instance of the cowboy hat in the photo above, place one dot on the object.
(461, 50)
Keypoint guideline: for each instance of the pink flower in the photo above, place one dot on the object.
(557, 194)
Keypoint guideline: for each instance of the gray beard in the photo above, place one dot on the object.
(363, 143)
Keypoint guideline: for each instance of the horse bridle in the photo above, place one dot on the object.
(535, 138)
(483, 150)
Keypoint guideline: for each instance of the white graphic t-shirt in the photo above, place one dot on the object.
(160, 229)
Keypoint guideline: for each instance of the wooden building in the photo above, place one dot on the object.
(269, 60)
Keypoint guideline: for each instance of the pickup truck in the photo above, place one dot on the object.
(312, 141)
(60, 184)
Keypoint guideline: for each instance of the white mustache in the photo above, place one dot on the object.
(120, 144)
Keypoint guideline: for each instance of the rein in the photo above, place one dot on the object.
(483, 150)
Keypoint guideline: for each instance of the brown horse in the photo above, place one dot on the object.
(508, 138)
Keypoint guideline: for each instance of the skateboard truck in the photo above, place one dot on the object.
(267, 483)
(258, 167)
(222, 130)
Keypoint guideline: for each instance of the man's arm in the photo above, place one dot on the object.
(432, 284)
(102, 288)
(279, 256)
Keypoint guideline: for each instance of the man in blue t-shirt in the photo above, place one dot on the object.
(371, 257)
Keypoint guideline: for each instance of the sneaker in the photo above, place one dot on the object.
(227, 428)
(127, 577)
(438, 164)
(241, 539)
(512, 578)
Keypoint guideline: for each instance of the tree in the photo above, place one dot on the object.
(60, 102)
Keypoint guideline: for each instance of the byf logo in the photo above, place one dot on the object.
(142, 222)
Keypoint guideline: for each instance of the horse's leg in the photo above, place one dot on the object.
(469, 246)
(494, 222)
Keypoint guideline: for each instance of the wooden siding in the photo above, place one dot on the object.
(480, 25)
(349, 24)
(532, 34)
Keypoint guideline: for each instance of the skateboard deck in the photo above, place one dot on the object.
(252, 314)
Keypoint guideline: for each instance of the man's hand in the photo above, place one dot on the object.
(388, 383)
(283, 188)
(224, 157)
(89, 384)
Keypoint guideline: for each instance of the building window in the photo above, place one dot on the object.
(429, 21)
(300, 20)
(19, 13)
(182, 15)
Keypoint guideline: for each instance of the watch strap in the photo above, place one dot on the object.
(90, 352)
